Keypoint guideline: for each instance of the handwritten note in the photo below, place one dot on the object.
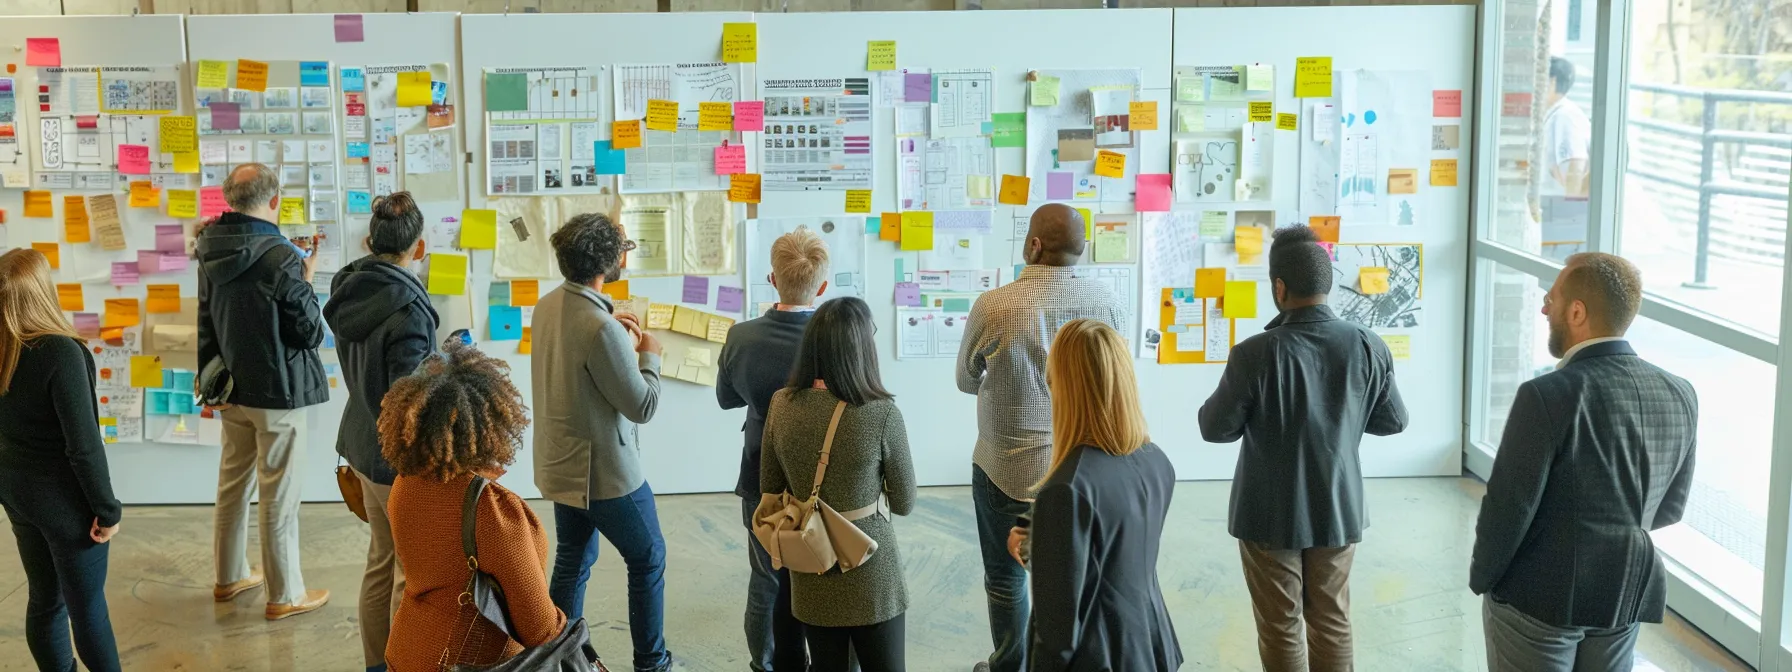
(731, 159)
(133, 159)
(858, 200)
(730, 299)
(251, 75)
(1110, 164)
(1443, 172)
(625, 134)
(179, 134)
(211, 202)
(662, 115)
(1015, 189)
(715, 116)
(1262, 111)
(122, 313)
(740, 42)
(1142, 115)
(749, 115)
(1214, 223)
(881, 55)
(1446, 103)
(1399, 346)
(478, 229)
(145, 195)
(1313, 77)
(213, 74)
(1286, 121)
(102, 209)
(1044, 91)
(743, 188)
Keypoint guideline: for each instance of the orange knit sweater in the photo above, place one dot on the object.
(432, 630)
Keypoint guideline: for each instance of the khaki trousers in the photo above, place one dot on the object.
(382, 586)
(1292, 588)
(259, 446)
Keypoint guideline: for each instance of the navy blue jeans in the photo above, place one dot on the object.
(65, 575)
(632, 525)
(1004, 580)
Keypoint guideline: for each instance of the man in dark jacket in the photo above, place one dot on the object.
(258, 313)
(384, 328)
(1595, 456)
(1302, 394)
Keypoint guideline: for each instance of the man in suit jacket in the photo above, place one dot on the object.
(595, 377)
(1595, 455)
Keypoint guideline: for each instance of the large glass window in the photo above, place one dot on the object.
(1518, 344)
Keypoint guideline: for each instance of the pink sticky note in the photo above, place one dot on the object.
(731, 159)
(43, 52)
(133, 159)
(171, 238)
(87, 325)
(171, 262)
(908, 294)
(1060, 186)
(149, 261)
(124, 273)
(749, 115)
(730, 299)
(1446, 103)
(1154, 193)
(348, 28)
(226, 116)
(211, 202)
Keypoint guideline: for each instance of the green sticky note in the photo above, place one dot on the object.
(506, 93)
(1214, 224)
(1110, 247)
(1191, 119)
(1190, 90)
(956, 305)
(899, 274)
(1008, 129)
(1045, 92)
(499, 294)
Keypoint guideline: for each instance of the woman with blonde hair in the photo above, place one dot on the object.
(53, 479)
(1098, 519)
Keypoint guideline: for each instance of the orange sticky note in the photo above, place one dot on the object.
(1210, 283)
(743, 188)
(625, 134)
(122, 313)
(145, 195)
(51, 251)
(525, 293)
(1110, 164)
(889, 227)
(1372, 279)
(164, 299)
(617, 290)
(70, 297)
(74, 219)
(1014, 190)
(527, 345)
(1142, 115)
(1443, 172)
(37, 204)
(1325, 226)
(251, 75)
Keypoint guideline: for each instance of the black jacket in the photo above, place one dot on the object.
(384, 328)
(258, 313)
(1595, 456)
(53, 469)
(755, 364)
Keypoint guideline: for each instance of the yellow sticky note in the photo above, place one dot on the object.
(74, 220)
(1088, 223)
(917, 230)
(146, 371)
(743, 188)
(179, 134)
(1262, 110)
(1313, 77)
(1015, 189)
(881, 55)
(1399, 345)
(1110, 164)
(1372, 279)
(740, 42)
(525, 293)
(122, 313)
(1210, 283)
(889, 227)
(662, 115)
(977, 186)
(1443, 172)
(1403, 181)
(448, 274)
(292, 210)
(186, 162)
(51, 252)
(185, 203)
(251, 75)
(69, 296)
(1044, 90)
(413, 89)
(478, 229)
(164, 299)
(145, 195)
(1111, 247)
(1241, 299)
(1248, 239)
(1142, 115)
(38, 204)
(1286, 121)
(659, 315)
(715, 116)
(684, 321)
(858, 200)
(527, 345)
(627, 134)
(214, 74)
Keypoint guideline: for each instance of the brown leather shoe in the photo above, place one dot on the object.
(228, 592)
(315, 599)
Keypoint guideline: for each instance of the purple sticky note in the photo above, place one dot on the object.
(696, 289)
(349, 28)
(124, 273)
(730, 299)
(917, 87)
(171, 238)
(87, 325)
(226, 116)
(1059, 186)
(908, 294)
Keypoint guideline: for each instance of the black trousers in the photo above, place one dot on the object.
(880, 647)
(65, 575)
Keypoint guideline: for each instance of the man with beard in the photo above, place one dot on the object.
(596, 376)
(1596, 455)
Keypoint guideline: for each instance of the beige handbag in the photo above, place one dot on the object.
(808, 535)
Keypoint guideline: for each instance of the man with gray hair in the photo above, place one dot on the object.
(1596, 455)
(258, 315)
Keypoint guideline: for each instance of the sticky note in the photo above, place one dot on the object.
(696, 290)
(1110, 247)
(292, 210)
(1191, 119)
(349, 28)
(917, 87)
(1110, 164)
(730, 299)
(1248, 240)
(890, 227)
(858, 200)
(447, 274)
(51, 251)
(917, 230)
(525, 293)
(527, 346)
(715, 116)
(145, 195)
(743, 188)
(731, 159)
(1009, 129)
(506, 92)
(977, 186)
(226, 116)
(1326, 226)
(171, 239)
(133, 159)
(662, 115)
(1059, 186)
(414, 89)
(146, 371)
(1014, 190)
(625, 134)
(478, 229)
(1372, 279)
(1088, 223)
(1259, 77)
(186, 162)
(179, 134)
(1443, 172)
(1399, 345)
(164, 299)
(1286, 121)
(122, 313)
(151, 261)
(1044, 91)
(1403, 181)
(1210, 283)
(212, 203)
(1446, 103)
(607, 159)
(251, 75)
(1214, 222)
(69, 296)
(617, 291)
(1142, 115)
(880, 55)
(43, 52)
(1240, 301)
(1261, 111)
(213, 74)
(1153, 193)
(74, 220)
(38, 204)
(504, 323)
(749, 115)
(740, 42)
(1313, 77)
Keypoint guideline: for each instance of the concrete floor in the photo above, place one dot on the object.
(1411, 608)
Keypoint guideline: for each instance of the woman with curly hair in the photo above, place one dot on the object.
(457, 417)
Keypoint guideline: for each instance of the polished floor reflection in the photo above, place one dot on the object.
(1410, 606)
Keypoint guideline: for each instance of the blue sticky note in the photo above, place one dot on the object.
(609, 161)
(359, 150)
(438, 92)
(179, 380)
(989, 127)
(360, 202)
(499, 294)
(353, 80)
(958, 305)
(314, 73)
(899, 273)
(505, 323)
(872, 224)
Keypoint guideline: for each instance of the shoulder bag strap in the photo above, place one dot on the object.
(469, 521)
(827, 446)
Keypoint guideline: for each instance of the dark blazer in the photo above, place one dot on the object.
(1595, 455)
(258, 313)
(1302, 394)
(755, 364)
(1098, 523)
(384, 328)
(52, 460)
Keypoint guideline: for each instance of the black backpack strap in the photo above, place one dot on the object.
(469, 520)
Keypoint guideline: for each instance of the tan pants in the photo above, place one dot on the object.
(382, 586)
(259, 446)
(1292, 587)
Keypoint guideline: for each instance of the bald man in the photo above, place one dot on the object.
(1002, 361)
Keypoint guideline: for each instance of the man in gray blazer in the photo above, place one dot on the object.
(1595, 455)
(595, 377)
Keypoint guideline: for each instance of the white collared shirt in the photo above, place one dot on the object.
(787, 308)
(1569, 355)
